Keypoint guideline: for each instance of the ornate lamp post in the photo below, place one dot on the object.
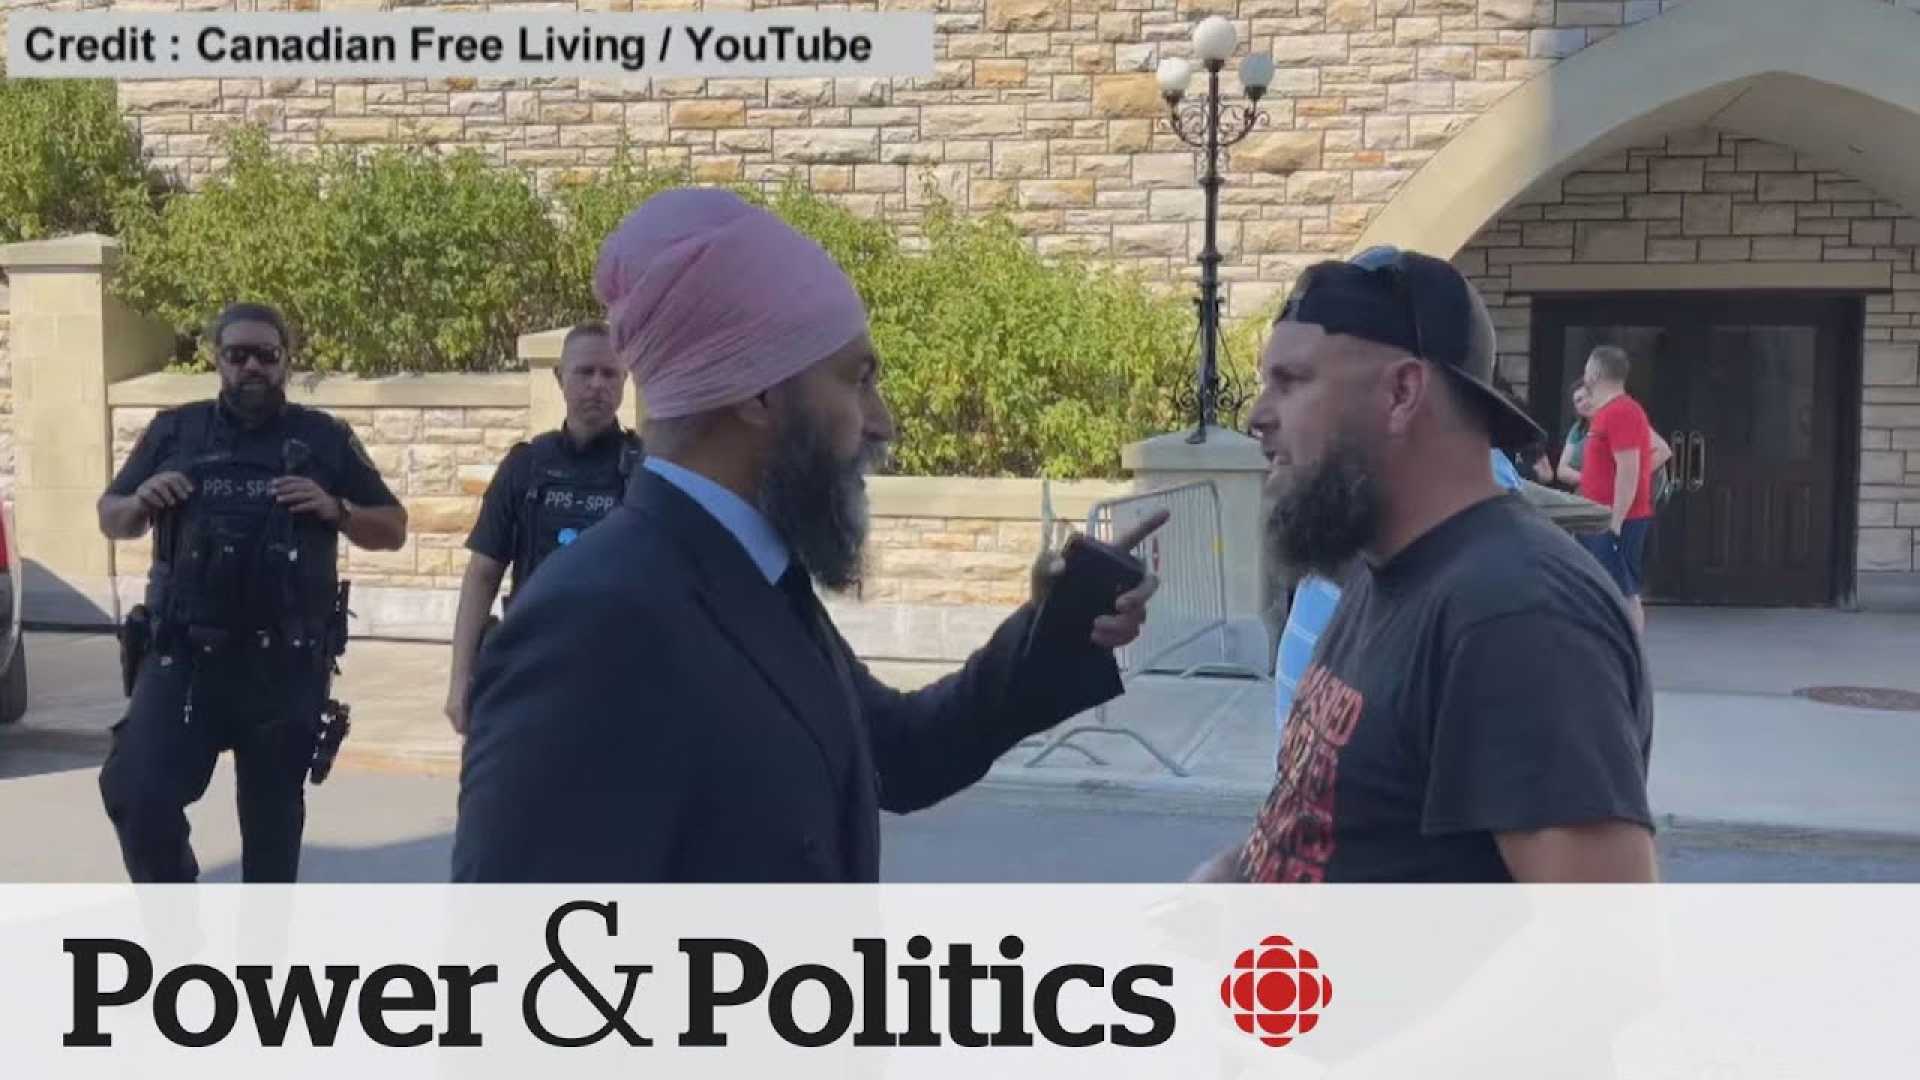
(1210, 127)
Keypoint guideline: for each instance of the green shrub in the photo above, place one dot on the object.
(397, 261)
(68, 162)
(869, 250)
(1000, 363)
(996, 362)
(590, 211)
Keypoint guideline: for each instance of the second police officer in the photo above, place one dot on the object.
(248, 496)
(544, 494)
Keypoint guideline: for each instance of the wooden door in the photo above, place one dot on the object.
(1749, 391)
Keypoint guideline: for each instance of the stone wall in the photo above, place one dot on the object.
(1045, 106)
(951, 560)
(1049, 107)
(941, 543)
(1709, 197)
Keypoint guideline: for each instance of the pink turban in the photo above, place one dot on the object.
(712, 300)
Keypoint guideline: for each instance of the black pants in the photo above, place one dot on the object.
(265, 707)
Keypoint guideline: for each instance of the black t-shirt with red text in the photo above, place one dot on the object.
(1486, 679)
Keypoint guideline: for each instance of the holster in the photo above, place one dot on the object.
(136, 638)
(335, 716)
(335, 722)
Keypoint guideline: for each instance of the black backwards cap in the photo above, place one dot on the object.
(1422, 306)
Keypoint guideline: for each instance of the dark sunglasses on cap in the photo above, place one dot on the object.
(267, 355)
(1392, 262)
(1364, 315)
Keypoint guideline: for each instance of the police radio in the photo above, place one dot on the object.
(296, 456)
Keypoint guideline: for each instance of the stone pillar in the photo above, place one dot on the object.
(72, 339)
(1238, 471)
(545, 407)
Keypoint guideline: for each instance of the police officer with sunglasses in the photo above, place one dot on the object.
(248, 496)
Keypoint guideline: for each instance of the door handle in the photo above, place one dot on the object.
(1698, 457)
(1678, 444)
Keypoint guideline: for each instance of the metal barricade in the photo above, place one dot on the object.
(1187, 555)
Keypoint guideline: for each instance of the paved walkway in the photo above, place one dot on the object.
(1734, 746)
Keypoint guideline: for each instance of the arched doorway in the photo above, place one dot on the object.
(1729, 191)
(1829, 77)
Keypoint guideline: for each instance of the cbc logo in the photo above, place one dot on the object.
(1276, 991)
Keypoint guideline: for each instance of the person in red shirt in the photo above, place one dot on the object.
(1618, 462)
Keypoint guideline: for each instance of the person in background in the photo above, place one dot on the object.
(1568, 472)
(1532, 460)
(1571, 452)
(250, 498)
(1621, 454)
(545, 494)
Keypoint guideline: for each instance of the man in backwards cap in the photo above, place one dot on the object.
(668, 700)
(1478, 708)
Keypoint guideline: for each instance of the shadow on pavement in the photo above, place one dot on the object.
(48, 601)
(27, 751)
(424, 860)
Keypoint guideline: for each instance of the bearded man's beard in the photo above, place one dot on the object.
(1328, 515)
(254, 400)
(818, 502)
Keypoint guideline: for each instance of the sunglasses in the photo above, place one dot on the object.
(267, 355)
(1392, 262)
(1382, 260)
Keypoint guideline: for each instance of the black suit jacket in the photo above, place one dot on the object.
(652, 710)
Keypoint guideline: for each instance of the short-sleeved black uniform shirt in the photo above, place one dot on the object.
(496, 533)
(1485, 679)
(340, 463)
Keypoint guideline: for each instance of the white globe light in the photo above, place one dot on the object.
(1214, 39)
(1175, 74)
(1256, 71)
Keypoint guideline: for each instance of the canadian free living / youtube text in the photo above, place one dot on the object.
(426, 44)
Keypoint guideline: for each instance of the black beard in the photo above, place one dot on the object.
(1328, 515)
(256, 401)
(817, 503)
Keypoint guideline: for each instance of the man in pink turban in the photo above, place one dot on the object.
(668, 700)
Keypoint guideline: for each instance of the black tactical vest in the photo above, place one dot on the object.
(238, 564)
(567, 494)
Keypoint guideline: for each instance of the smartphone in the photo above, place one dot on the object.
(1095, 577)
(1117, 571)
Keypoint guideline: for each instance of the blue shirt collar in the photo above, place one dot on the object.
(763, 545)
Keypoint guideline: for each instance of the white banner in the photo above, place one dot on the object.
(429, 44)
(961, 981)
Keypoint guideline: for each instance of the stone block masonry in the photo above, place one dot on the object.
(1708, 197)
(438, 461)
(1046, 107)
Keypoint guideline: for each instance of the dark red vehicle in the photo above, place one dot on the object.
(13, 645)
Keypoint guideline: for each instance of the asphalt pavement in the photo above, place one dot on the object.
(1753, 780)
(370, 825)
(1737, 743)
